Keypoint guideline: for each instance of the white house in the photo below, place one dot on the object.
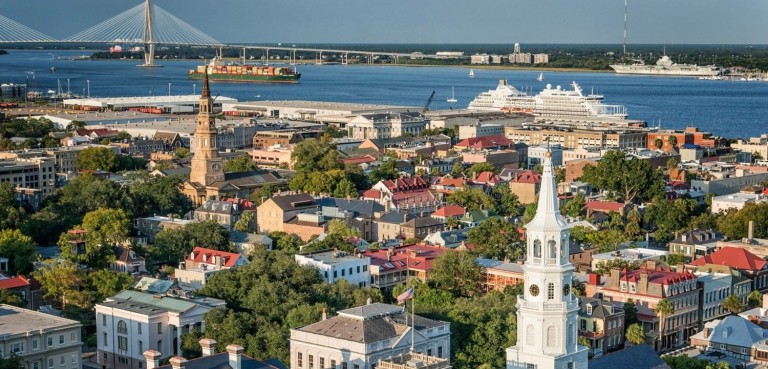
(359, 337)
(336, 265)
(132, 322)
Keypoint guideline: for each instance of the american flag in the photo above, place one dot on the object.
(405, 296)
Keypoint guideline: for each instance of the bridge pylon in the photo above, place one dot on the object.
(149, 37)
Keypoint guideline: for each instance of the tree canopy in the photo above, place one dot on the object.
(458, 273)
(735, 223)
(628, 178)
(471, 199)
(172, 245)
(496, 238)
(240, 163)
(19, 249)
(97, 158)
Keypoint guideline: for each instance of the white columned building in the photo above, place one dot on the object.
(547, 312)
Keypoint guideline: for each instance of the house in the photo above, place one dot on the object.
(231, 358)
(387, 225)
(223, 212)
(451, 239)
(126, 260)
(306, 225)
(271, 214)
(420, 227)
(408, 194)
(735, 201)
(475, 217)
(750, 265)
(605, 208)
(386, 125)
(440, 166)
(147, 228)
(499, 158)
(447, 185)
(488, 178)
(496, 142)
(40, 340)
(737, 336)
(696, 243)
(198, 267)
(525, 184)
(335, 265)
(630, 255)
(449, 211)
(97, 134)
(602, 324)
(360, 337)
(19, 285)
(498, 275)
(132, 322)
(358, 213)
(246, 242)
(646, 287)
(74, 141)
(170, 140)
(717, 283)
(393, 266)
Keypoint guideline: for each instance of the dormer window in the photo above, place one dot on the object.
(589, 309)
(623, 286)
(632, 287)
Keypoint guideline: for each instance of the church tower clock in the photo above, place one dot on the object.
(547, 312)
(207, 166)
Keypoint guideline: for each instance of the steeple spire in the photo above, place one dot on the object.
(548, 211)
(206, 90)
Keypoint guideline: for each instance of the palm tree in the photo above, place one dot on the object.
(663, 309)
(733, 304)
(658, 143)
(754, 299)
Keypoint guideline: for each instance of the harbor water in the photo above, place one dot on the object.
(732, 109)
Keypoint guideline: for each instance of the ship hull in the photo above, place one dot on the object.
(654, 71)
(249, 78)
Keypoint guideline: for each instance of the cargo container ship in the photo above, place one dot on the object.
(218, 71)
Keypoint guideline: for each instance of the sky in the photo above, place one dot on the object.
(427, 21)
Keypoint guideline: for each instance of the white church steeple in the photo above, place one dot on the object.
(547, 312)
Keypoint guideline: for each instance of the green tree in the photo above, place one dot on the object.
(104, 228)
(478, 168)
(172, 245)
(19, 249)
(244, 223)
(315, 155)
(240, 163)
(106, 283)
(342, 228)
(158, 195)
(507, 203)
(754, 299)
(97, 158)
(675, 259)
(284, 241)
(11, 298)
(496, 238)
(529, 212)
(733, 304)
(264, 193)
(573, 206)
(630, 178)
(635, 334)
(345, 188)
(387, 170)
(735, 223)
(669, 217)
(584, 341)
(11, 214)
(122, 136)
(604, 267)
(630, 312)
(673, 141)
(663, 309)
(190, 344)
(181, 153)
(471, 199)
(457, 170)
(458, 273)
(62, 280)
(12, 361)
(632, 228)
(658, 143)
(209, 234)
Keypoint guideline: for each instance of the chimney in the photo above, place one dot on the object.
(235, 356)
(643, 287)
(650, 264)
(751, 231)
(594, 279)
(325, 313)
(208, 345)
(369, 301)
(153, 358)
(177, 362)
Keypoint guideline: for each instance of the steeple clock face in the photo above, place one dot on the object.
(215, 167)
(534, 290)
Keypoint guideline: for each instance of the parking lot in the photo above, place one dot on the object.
(717, 357)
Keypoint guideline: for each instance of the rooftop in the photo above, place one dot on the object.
(150, 304)
(330, 256)
(15, 320)
(735, 257)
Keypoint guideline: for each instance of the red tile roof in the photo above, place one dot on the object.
(526, 176)
(405, 184)
(414, 257)
(485, 142)
(372, 194)
(488, 177)
(656, 276)
(449, 211)
(734, 257)
(358, 159)
(101, 132)
(606, 206)
(200, 252)
(13, 282)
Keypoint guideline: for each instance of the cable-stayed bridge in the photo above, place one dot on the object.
(150, 25)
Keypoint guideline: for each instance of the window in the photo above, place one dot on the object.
(429, 352)
(344, 365)
(311, 361)
(35, 365)
(159, 328)
(537, 249)
(356, 366)
(73, 336)
(141, 346)
(160, 345)
(439, 351)
(321, 362)
(299, 360)
(62, 361)
(122, 343)
(61, 339)
(551, 291)
(122, 360)
(50, 362)
(34, 344)
(50, 340)
(138, 328)
(123, 328)
(570, 365)
(552, 247)
(530, 366)
(103, 320)
(744, 350)
(333, 364)
(74, 358)
(17, 348)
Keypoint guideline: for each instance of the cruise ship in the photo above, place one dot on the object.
(550, 102)
(665, 67)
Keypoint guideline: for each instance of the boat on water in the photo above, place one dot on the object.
(471, 73)
(540, 77)
(452, 99)
(241, 72)
(552, 101)
(666, 67)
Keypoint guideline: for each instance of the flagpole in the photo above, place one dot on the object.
(413, 321)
